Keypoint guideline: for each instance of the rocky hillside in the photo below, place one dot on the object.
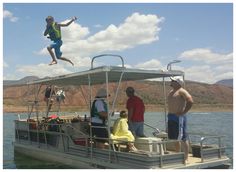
(19, 82)
(226, 82)
(151, 92)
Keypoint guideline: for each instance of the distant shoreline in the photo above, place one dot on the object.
(149, 108)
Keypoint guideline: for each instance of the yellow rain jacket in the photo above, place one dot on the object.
(121, 131)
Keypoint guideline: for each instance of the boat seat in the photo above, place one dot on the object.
(118, 143)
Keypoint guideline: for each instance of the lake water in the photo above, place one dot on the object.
(213, 123)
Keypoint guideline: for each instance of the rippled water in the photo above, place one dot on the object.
(214, 123)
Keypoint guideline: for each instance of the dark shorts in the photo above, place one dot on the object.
(100, 132)
(177, 129)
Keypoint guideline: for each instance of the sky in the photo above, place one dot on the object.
(146, 35)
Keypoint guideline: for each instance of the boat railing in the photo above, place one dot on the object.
(156, 130)
(112, 55)
(32, 107)
(83, 136)
(44, 133)
(204, 146)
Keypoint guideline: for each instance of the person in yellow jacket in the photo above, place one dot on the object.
(121, 131)
(53, 29)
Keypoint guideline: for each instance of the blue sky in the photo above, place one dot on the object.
(147, 35)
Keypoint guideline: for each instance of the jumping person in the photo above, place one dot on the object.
(53, 29)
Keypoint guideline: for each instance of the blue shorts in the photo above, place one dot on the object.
(57, 45)
(177, 127)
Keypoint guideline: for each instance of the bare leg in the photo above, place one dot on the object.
(186, 150)
(178, 146)
(132, 147)
(54, 61)
(65, 59)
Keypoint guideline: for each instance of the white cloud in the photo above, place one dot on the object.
(78, 46)
(207, 74)
(137, 29)
(212, 66)
(42, 52)
(43, 70)
(152, 64)
(225, 75)
(127, 66)
(74, 32)
(207, 56)
(9, 15)
(202, 73)
(10, 77)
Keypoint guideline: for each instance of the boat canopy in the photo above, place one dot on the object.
(114, 73)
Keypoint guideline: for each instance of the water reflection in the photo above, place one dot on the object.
(24, 162)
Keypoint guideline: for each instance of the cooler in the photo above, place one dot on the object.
(149, 144)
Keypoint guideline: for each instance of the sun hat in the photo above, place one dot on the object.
(102, 92)
(177, 79)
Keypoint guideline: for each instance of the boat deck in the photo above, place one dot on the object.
(196, 163)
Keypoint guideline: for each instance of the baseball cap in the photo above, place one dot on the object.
(178, 79)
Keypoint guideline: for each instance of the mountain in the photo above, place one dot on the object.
(215, 96)
(19, 82)
(226, 82)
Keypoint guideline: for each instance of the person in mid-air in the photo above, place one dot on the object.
(53, 29)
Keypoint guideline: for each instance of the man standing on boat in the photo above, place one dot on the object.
(99, 113)
(136, 111)
(179, 103)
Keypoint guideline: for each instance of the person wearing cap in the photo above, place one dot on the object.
(179, 103)
(99, 113)
(136, 111)
(53, 29)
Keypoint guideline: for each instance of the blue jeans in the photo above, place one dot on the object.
(136, 128)
(57, 45)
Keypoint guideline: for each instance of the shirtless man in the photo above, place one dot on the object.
(179, 103)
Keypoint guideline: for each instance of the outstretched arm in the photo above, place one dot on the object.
(68, 23)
